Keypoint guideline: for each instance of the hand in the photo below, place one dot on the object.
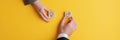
(68, 28)
(42, 10)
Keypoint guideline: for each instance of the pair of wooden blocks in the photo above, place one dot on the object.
(66, 15)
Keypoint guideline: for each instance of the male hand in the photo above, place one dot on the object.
(68, 28)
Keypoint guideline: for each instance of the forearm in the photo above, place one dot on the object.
(38, 4)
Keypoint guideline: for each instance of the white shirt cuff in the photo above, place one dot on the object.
(62, 35)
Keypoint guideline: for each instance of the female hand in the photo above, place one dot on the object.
(42, 10)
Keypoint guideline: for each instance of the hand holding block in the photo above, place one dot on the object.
(67, 17)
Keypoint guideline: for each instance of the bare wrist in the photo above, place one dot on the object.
(37, 3)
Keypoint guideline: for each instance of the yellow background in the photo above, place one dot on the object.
(96, 19)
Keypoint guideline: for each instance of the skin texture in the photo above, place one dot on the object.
(68, 28)
(42, 10)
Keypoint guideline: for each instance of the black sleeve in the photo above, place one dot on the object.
(26, 2)
(62, 38)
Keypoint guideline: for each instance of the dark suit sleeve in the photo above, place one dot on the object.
(26, 2)
(62, 38)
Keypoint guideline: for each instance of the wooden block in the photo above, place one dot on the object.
(67, 14)
(51, 14)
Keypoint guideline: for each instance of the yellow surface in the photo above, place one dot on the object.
(96, 19)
